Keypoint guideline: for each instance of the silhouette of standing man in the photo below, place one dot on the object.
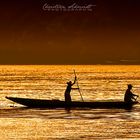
(68, 90)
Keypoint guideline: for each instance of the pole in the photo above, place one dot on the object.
(78, 87)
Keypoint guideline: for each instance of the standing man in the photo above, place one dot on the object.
(68, 90)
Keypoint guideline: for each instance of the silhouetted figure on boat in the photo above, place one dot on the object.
(129, 96)
(68, 90)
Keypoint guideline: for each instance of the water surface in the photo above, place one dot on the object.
(97, 82)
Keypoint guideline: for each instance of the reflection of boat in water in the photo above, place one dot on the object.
(39, 103)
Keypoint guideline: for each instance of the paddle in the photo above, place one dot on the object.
(136, 99)
(78, 86)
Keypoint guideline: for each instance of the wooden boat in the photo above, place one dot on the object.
(39, 103)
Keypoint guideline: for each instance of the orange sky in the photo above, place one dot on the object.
(110, 34)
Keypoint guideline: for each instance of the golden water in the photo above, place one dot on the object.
(96, 82)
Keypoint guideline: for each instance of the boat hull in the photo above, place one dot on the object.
(39, 103)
